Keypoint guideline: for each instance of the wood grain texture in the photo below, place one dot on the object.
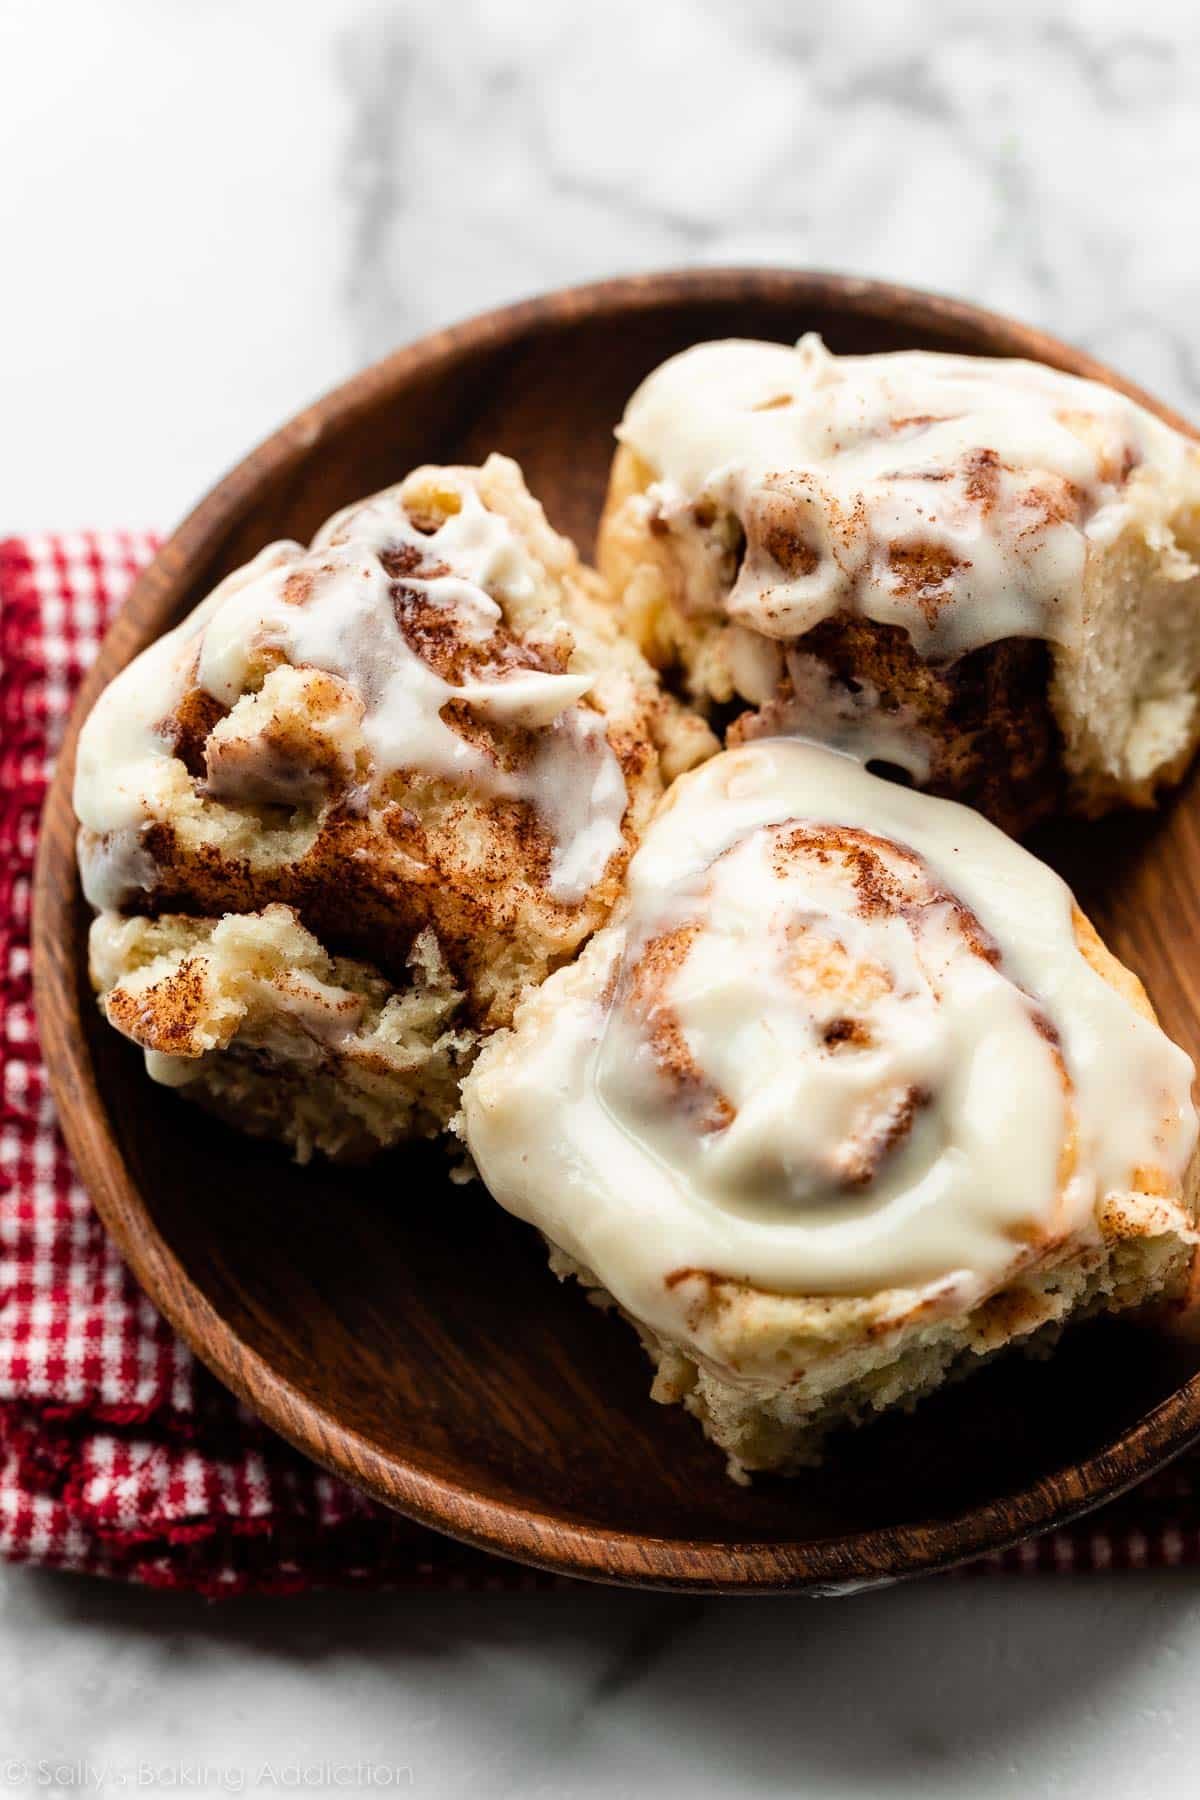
(406, 1334)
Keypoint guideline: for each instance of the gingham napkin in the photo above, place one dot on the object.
(119, 1455)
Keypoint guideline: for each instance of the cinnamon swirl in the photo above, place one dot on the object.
(847, 1096)
(983, 571)
(338, 820)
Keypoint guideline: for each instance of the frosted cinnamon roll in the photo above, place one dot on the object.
(409, 763)
(983, 571)
(846, 1097)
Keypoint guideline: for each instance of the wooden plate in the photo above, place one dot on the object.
(407, 1334)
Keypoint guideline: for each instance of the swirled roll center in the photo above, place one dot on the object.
(842, 1039)
(809, 1028)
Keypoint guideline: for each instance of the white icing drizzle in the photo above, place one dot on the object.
(956, 496)
(331, 608)
(817, 705)
(122, 764)
(814, 1090)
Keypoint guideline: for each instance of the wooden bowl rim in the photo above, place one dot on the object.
(544, 1539)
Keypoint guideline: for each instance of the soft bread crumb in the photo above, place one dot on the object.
(254, 1019)
(852, 1376)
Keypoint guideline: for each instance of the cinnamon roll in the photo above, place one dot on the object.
(982, 571)
(846, 1097)
(368, 791)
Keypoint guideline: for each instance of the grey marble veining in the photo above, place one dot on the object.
(1037, 159)
(257, 198)
(940, 1691)
(211, 212)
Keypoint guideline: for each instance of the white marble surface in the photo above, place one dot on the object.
(211, 210)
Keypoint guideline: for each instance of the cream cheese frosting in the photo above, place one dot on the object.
(840, 1039)
(333, 608)
(956, 496)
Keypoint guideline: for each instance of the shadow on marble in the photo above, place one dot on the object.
(916, 1685)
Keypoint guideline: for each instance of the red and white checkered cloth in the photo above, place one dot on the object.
(119, 1455)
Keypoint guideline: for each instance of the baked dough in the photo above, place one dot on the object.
(847, 1096)
(407, 764)
(980, 571)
